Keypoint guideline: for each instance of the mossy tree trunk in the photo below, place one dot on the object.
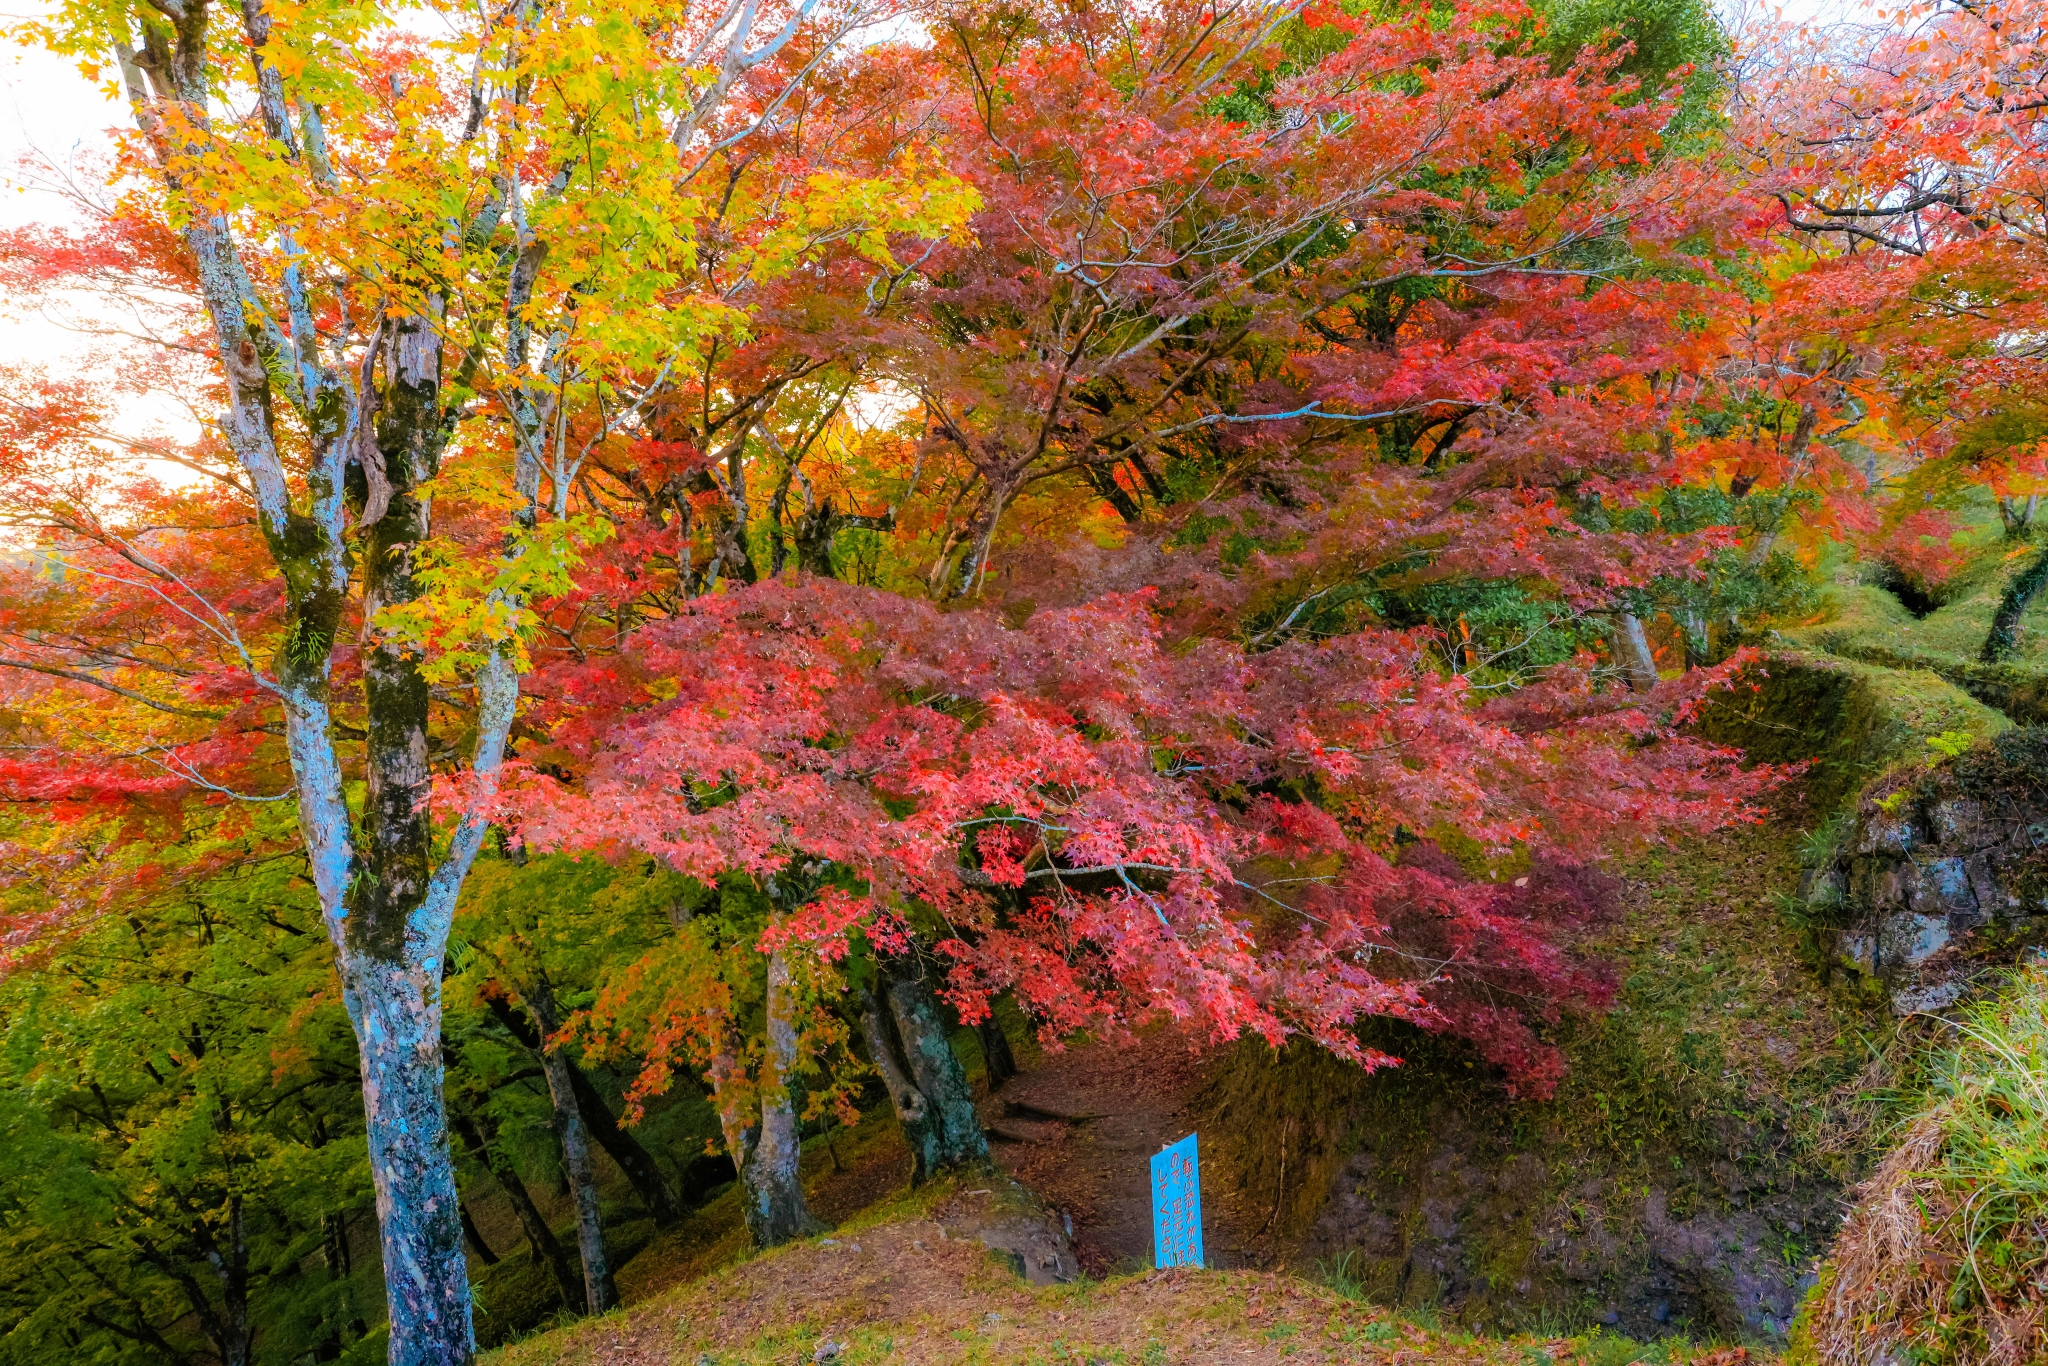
(1699, 645)
(906, 1035)
(763, 1140)
(908, 1102)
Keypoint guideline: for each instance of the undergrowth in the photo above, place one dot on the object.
(1945, 1261)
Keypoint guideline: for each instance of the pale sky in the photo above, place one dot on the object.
(46, 107)
(52, 115)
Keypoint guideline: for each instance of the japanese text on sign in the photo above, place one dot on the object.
(1177, 1205)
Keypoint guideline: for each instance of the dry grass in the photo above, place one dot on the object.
(1944, 1260)
(1879, 1280)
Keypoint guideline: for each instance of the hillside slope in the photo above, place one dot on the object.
(904, 1292)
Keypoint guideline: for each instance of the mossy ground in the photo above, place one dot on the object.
(1869, 624)
(1848, 720)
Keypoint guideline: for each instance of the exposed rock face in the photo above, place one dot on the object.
(1625, 1257)
(1933, 857)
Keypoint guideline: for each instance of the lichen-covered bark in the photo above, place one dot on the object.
(886, 1054)
(574, 1136)
(952, 1134)
(764, 1143)
(396, 829)
(598, 1293)
(396, 1011)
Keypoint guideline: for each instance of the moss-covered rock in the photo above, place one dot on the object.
(1942, 863)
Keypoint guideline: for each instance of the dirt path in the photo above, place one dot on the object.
(1080, 1130)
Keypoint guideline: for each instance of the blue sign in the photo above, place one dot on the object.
(1177, 1205)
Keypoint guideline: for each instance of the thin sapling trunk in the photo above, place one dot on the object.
(574, 1136)
(541, 1242)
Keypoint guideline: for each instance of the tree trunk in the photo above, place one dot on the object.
(477, 1244)
(598, 1292)
(236, 1337)
(2004, 638)
(341, 1269)
(999, 1061)
(397, 1014)
(1692, 622)
(2018, 517)
(1102, 478)
(908, 1101)
(768, 1152)
(963, 559)
(1632, 651)
(948, 1134)
(386, 906)
(633, 1159)
(540, 1239)
(391, 919)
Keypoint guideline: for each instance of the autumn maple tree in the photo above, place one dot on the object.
(1074, 801)
(1090, 821)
